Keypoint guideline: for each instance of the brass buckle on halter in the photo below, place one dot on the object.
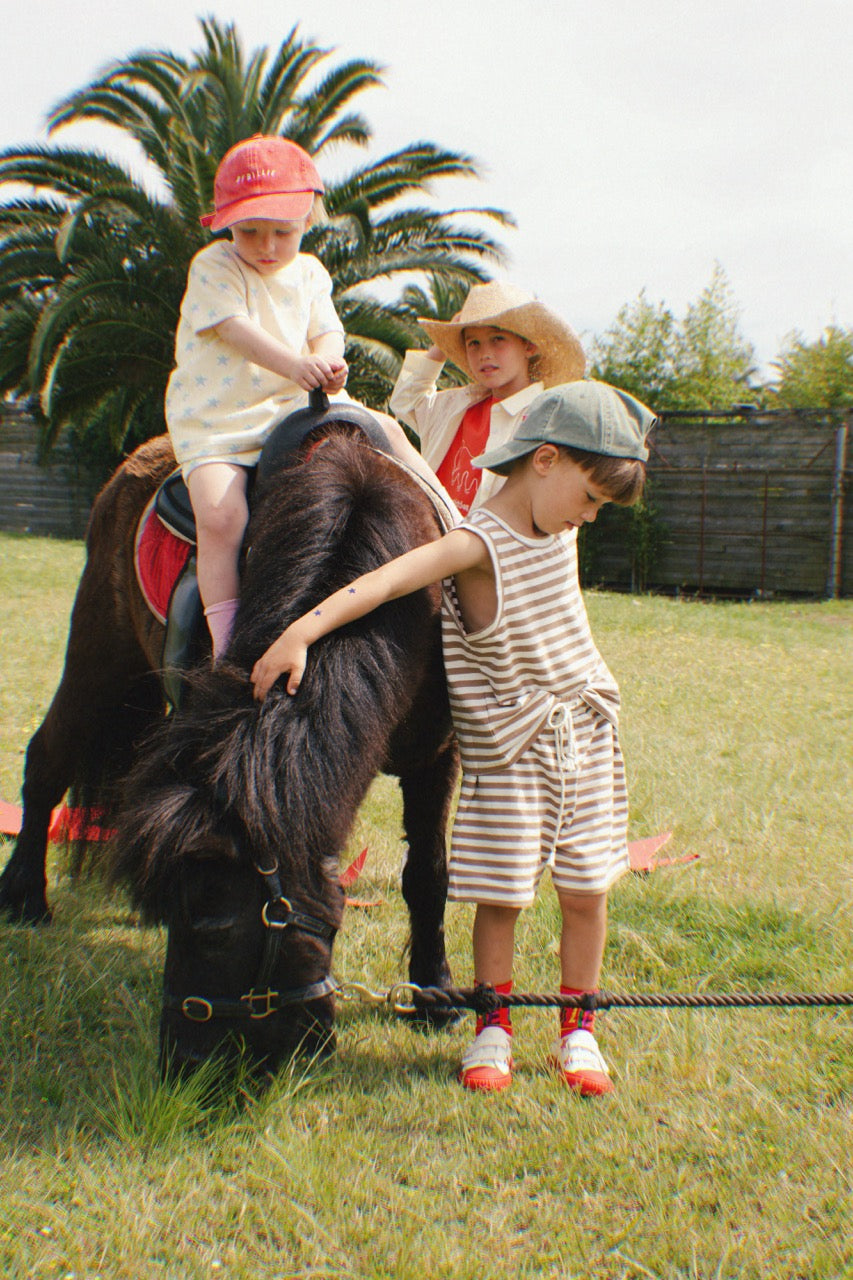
(265, 997)
(205, 1009)
(276, 924)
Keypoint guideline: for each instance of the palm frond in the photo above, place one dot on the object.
(67, 171)
(94, 261)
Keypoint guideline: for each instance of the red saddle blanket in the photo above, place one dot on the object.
(159, 557)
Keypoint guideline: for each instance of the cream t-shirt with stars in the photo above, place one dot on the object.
(220, 406)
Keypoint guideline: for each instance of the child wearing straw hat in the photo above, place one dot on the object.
(534, 705)
(257, 331)
(512, 347)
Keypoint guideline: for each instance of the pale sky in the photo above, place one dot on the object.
(636, 142)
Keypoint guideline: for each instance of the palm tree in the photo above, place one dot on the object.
(94, 263)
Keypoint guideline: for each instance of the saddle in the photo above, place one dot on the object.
(165, 557)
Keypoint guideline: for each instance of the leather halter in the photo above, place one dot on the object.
(277, 915)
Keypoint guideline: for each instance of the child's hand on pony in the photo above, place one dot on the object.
(287, 654)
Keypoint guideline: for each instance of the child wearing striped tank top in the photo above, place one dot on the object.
(534, 705)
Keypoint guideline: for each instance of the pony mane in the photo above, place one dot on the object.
(285, 777)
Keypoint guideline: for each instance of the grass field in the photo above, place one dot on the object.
(724, 1151)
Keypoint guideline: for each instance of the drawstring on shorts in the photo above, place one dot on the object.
(560, 721)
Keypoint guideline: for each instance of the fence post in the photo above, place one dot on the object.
(702, 514)
(836, 517)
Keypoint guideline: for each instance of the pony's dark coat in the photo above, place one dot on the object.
(228, 785)
(289, 773)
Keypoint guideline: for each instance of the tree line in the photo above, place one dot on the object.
(703, 361)
(94, 261)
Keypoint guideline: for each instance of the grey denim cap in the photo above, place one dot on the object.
(584, 415)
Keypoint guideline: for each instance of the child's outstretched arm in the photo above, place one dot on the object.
(319, 369)
(456, 551)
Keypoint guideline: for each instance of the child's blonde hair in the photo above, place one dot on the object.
(317, 214)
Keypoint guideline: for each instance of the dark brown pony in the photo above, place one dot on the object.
(232, 814)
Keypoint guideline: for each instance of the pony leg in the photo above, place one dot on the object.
(86, 736)
(102, 702)
(107, 692)
(426, 806)
(23, 884)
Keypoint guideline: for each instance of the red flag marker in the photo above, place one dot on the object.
(642, 854)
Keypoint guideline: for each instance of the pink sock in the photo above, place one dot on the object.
(220, 621)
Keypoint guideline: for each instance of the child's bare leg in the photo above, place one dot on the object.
(218, 495)
(576, 1054)
(494, 943)
(582, 938)
(487, 1064)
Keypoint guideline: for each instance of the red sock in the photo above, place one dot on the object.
(574, 1018)
(499, 1017)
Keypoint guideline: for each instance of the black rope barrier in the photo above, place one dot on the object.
(410, 998)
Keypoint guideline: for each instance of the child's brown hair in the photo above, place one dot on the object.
(622, 479)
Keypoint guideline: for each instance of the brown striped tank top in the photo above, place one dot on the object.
(536, 653)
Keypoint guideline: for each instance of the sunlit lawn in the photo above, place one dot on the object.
(724, 1151)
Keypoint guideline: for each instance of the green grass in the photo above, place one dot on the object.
(724, 1151)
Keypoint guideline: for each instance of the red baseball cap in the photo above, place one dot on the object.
(263, 177)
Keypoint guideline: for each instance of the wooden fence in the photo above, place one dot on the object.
(743, 504)
(52, 500)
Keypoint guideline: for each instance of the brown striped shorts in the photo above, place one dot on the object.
(562, 803)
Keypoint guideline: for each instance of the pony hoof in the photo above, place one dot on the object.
(434, 1019)
(25, 913)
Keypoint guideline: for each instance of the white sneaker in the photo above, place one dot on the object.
(578, 1059)
(487, 1063)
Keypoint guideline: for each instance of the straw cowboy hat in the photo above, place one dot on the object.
(503, 306)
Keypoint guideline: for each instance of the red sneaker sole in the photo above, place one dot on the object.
(483, 1080)
(590, 1084)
